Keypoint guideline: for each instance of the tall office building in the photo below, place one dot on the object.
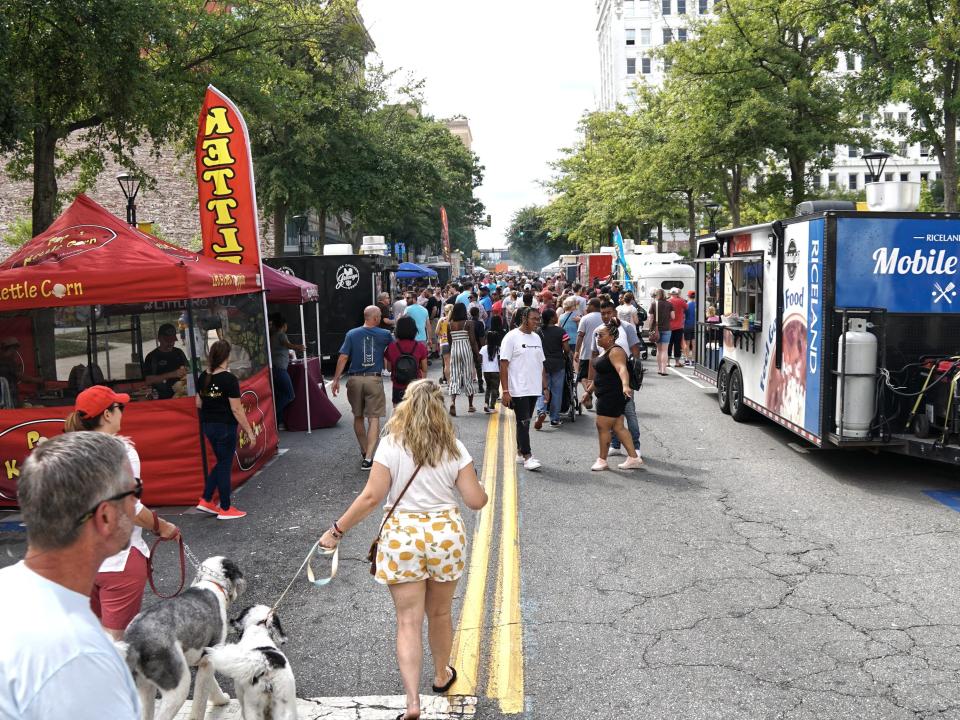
(629, 32)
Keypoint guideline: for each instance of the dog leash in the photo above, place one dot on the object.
(183, 568)
(311, 577)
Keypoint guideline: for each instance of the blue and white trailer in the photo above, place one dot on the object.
(842, 326)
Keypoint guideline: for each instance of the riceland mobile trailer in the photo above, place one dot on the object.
(842, 326)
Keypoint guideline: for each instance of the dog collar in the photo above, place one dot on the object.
(219, 587)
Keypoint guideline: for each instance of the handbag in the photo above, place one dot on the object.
(372, 554)
(654, 333)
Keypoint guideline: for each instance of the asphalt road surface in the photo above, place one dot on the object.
(740, 575)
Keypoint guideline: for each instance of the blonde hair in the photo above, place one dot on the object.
(421, 425)
(711, 310)
(569, 303)
(447, 311)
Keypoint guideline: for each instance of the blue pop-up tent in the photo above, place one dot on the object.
(412, 271)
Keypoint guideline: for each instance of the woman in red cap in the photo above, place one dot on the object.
(118, 587)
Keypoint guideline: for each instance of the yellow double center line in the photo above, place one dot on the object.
(505, 682)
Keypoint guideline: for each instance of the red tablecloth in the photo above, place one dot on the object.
(323, 414)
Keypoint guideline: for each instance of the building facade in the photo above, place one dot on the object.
(629, 34)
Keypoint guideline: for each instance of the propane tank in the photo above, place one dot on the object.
(860, 383)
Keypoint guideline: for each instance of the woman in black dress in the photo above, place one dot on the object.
(611, 387)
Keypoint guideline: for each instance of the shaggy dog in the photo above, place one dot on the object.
(164, 642)
(261, 673)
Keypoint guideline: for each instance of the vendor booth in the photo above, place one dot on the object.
(83, 303)
(412, 271)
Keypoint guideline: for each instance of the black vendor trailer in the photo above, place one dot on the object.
(842, 326)
(347, 284)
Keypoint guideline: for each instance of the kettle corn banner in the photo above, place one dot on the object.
(228, 197)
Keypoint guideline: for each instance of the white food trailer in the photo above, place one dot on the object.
(842, 326)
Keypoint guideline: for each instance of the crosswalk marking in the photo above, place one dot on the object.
(367, 707)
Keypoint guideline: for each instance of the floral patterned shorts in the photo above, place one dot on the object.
(417, 546)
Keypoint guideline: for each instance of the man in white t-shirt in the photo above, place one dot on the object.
(77, 494)
(581, 354)
(523, 379)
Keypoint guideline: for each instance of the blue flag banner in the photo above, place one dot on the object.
(622, 259)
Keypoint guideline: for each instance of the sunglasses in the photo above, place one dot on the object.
(117, 406)
(136, 492)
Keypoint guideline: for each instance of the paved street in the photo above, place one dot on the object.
(735, 577)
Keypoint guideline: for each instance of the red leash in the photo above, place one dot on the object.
(183, 568)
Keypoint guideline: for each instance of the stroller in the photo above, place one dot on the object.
(570, 406)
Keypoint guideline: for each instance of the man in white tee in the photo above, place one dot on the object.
(523, 379)
(77, 494)
(585, 338)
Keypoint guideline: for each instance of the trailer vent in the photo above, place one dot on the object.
(810, 207)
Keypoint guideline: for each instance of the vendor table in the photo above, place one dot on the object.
(323, 414)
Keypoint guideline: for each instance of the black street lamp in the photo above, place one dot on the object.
(130, 184)
(301, 223)
(876, 160)
(712, 209)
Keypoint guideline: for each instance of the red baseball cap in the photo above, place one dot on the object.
(691, 293)
(95, 400)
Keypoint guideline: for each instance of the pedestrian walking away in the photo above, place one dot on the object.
(689, 328)
(463, 353)
(490, 364)
(679, 306)
(443, 338)
(361, 357)
(406, 358)
(659, 317)
(118, 586)
(221, 411)
(523, 379)
(581, 355)
(555, 349)
(78, 498)
(479, 330)
(612, 383)
(419, 469)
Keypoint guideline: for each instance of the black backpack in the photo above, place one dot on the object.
(635, 371)
(405, 368)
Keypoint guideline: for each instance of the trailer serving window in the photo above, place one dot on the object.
(745, 287)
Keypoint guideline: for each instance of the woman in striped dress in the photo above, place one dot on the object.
(463, 351)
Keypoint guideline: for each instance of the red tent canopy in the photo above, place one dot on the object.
(91, 257)
(283, 288)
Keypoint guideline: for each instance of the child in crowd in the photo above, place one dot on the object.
(490, 364)
(406, 358)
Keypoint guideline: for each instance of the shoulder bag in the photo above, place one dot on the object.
(372, 554)
(654, 333)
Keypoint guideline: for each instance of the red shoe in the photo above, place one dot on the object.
(208, 506)
(539, 422)
(231, 514)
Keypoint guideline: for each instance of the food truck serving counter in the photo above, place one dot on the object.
(106, 296)
(842, 326)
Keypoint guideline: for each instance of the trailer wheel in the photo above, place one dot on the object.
(723, 390)
(921, 426)
(738, 411)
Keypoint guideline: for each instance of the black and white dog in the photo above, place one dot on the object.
(261, 673)
(164, 642)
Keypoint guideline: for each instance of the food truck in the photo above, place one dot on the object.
(594, 266)
(842, 326)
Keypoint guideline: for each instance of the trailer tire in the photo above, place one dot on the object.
(738, 410)
(921, 427)
(723, 389)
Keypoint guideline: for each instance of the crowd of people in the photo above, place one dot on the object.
(473, 328)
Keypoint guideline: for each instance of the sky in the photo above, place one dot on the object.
(521, 71)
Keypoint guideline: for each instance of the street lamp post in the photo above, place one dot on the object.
(130, 185)
(301, 222)
(712, 209)
(876, 160)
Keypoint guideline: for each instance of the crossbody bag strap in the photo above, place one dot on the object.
(402, 493)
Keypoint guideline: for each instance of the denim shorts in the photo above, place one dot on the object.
(665, 337)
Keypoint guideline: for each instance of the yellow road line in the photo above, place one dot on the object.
(466, 643)
(506, 652)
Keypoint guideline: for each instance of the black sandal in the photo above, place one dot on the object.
(453, 678)
(403, 716)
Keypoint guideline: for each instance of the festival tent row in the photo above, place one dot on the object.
(83, 299)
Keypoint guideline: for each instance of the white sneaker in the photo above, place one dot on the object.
(521, 459)
(532, 463)
(632, 463)
(600, 464)
(615, 451)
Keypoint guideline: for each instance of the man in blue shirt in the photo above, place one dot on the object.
(464, 296)
(487, 304)
(363, 348)
(689, 328)
(420, 316)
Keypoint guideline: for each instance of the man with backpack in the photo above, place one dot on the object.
(406, 358)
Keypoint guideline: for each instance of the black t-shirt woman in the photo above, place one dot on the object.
(218, 399)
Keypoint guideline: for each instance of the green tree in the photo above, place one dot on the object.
(909, 55)
(532, 242)
(112, 74)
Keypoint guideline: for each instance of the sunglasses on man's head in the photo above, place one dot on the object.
(136, 492)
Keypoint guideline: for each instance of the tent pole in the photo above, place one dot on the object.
(306, 370)
(319, 353)
(196, 386)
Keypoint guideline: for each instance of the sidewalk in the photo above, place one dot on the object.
(369, 707)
